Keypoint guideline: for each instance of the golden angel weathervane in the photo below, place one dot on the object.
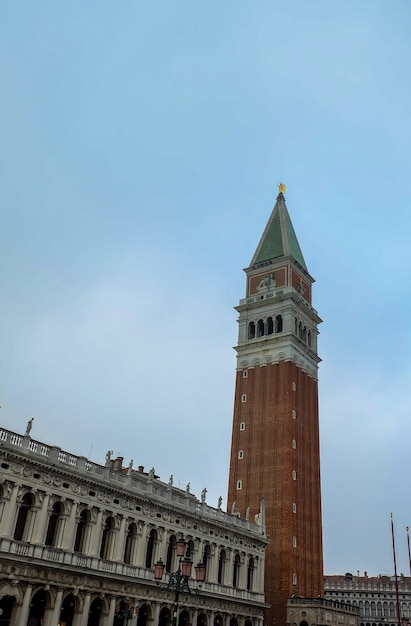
(281, 188)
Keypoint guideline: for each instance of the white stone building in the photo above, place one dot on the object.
(374, 597)
(78, 544)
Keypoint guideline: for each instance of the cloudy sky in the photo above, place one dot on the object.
(141, 146)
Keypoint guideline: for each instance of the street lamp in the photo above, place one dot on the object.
(178, 581)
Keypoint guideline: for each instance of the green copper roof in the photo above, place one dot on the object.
(279, 238)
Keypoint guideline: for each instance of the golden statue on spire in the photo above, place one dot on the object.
(281, 188)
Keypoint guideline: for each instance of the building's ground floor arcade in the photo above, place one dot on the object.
(35, 605)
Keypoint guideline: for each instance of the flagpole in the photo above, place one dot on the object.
(397, 595)
(409, 552)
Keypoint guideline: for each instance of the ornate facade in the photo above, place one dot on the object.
(78, 544)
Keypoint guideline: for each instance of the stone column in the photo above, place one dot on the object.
(67, 542)
(142, 545)
(258, 581)
(9, 513)
(77, 617)
(48, 617)
(228, 567)
(96, 535)
(162, 550)
(112, 610)
(134, 549)
(22, 615)
(212, 565)
(40, 522)
(60, 530)
(86, 609)
(112, 541)
(119, 550)
(242, 580)
(55, 616)
(156, 616)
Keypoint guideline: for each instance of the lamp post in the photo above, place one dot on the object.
(178, 581)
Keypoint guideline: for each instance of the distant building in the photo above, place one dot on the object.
(320, 612)
(79, 541)
(275, 437)
(374, 596)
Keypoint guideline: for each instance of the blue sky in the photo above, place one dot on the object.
(141, 146)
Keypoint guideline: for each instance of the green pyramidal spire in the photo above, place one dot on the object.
(279, 238)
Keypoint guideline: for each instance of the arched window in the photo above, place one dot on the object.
(94, 612)
(37, 607)
(279, 324)
(54, 526)
(184, 618)
(190, 549)
(79, 542)
(251, 330)
(171, 550)
(260, 328)
(221, 567)
(152, 540)
(68, 608)
(131, 539)
(270, 326)
(165, 617)
(236, 570)
(7, 606)
(309, 338)
(143, 615)
(304, 337)
(250, 574)
(20, 531)
(300, 330)
(106, 540)
(202, 619)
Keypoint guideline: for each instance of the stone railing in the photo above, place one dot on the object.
(368, 584)
(54, 557)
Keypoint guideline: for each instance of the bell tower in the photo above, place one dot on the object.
(275, 440)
